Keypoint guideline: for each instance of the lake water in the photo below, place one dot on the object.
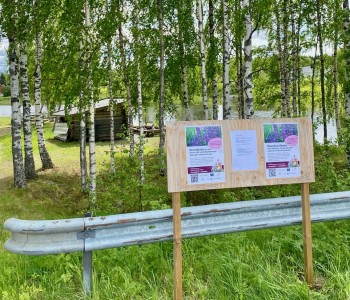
(197, 114)
(5, 110)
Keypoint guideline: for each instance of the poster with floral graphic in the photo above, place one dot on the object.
(282, 152)
(204, 154)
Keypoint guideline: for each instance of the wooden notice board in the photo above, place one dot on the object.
(203, 155)
(177, 160)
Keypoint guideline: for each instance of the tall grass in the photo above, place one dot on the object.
(263, 264)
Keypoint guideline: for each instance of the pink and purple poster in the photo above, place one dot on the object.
(204, 154)
(282, 152)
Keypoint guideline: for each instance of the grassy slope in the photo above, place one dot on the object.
(5, 101)
(264, 264)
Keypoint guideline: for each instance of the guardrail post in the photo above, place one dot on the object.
(87, 272)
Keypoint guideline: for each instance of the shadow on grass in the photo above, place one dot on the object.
(50, 195)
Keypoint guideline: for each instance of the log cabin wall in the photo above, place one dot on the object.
(102, 124)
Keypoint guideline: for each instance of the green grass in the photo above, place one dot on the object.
(5, 101)
(262, 264)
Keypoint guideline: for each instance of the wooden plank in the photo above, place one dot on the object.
(177, 246)
(177, 164)
(306, 221)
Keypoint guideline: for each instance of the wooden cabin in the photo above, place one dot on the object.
(67, 128)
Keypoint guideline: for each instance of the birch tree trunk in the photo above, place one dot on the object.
(83, 162)
(226, 62)
(184, 83)
(82, 112)
(203, 58)
(29, 165)
(286, 58)
(39, 125)
(248, 67)
(161, 88)
(346, 25)
(17, 157)
(127, 89)
(141, 125)
(140, 108)
(111, 107)
(239, 81)
(92, 153)
(336, 81)
(322, 71)
(294, 59)
(298, 62)
(313, 83)
(212, 60)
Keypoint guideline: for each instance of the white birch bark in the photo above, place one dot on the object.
(281, 61)
(322, 73)
(294, 59)
(111, 108)
(286, 59)
(128, 92)
(39, 125)
(141, 125)
(335, 82)
(226, 62)
(203, 58)
(29, 165)
(140, 109)
(92, 153)
(161, 88)
(82, 124)
(346, 25)
(214, 91)
(17, 156)
(248, 66)
(83, 162)
(182, 51)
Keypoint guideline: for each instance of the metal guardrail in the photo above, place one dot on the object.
(95, 233)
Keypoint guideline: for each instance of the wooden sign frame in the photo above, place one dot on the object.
(253, 173)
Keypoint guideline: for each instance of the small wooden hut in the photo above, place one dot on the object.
(67, 127)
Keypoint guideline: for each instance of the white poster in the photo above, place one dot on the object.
(282, 152)
(204, 154)
(244, 150)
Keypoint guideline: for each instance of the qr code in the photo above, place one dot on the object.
(194, 178)
(272, 172)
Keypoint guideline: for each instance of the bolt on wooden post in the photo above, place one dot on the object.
(204, 155)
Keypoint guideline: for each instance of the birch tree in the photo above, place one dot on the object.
(226, 61)
(212, 59)
(9, 25)
(322, 68)
(126, 80)
(161, 86)
(82, 124)
(337, 22)
(184, 83)
(346, 26)
(203, 58)
(17, 156)
(39, 124)
(92, 153)
(248, 66)
(29, 165)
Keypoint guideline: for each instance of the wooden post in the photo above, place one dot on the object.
(305, 204)
(177, 246)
